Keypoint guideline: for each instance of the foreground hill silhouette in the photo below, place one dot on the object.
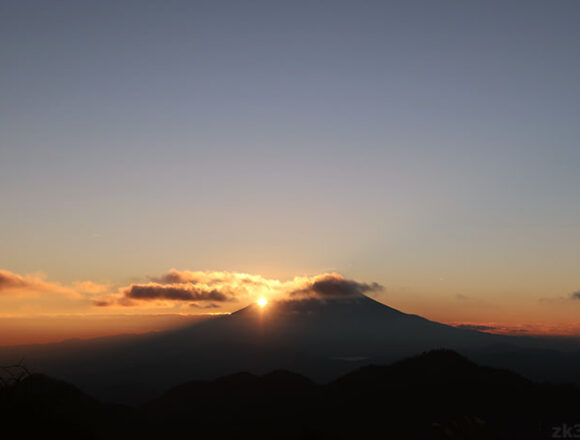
(319, 338)
(439, 394)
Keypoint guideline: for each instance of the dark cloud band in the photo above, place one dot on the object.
(186, 293)
(337, 287)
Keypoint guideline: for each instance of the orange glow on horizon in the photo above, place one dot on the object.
(36, 309)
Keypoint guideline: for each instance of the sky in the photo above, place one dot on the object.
(429, 147)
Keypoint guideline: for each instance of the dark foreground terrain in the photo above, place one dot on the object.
(322, 339)
(436, 395)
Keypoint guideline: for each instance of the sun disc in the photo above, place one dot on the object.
(262, 302)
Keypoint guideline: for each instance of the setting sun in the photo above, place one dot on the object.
(262, 302)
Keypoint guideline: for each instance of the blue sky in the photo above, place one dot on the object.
(428, 146)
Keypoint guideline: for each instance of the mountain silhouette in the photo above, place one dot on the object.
(435, 395)
(319, 338)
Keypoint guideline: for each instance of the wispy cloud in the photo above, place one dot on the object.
(498, 328)
(519, 329)
(31, 284)
(91, 287)
(211, 278)
(478, 327)
(206, 306)
(574, 296)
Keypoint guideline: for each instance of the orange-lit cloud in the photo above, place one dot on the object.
(206, 306)
(31, 284)
(227, 287)
(208, 292)
(90, 287)
(211, 278)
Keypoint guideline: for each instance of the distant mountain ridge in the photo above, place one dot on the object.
(438, 394)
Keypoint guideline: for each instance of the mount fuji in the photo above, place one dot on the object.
(321, 338)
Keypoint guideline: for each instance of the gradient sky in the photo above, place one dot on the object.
(432, 147)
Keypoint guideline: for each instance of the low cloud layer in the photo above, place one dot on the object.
(210, 292)
(32, 284)
(212, 278)
(335, 286)
(200, 289)
(188, 288)
(172, 293)
(574, 296)
(206, 306)
(478, 327)
(11, 281)
(90, 287)
(178, 291)
(521, 329)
